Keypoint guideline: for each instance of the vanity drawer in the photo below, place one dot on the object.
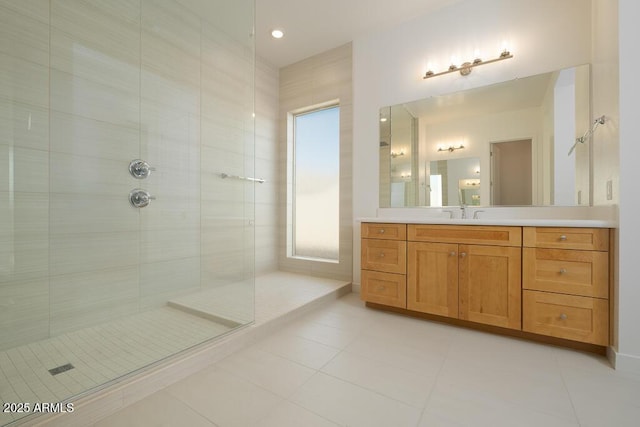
(374, 230)
(588, 239)
(584, 273)
(389, 256)
(474, 234)
(566, 316)
(384, 288)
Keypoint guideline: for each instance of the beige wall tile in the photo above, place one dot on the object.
(86, 299)
(24, 36)
(23, 81)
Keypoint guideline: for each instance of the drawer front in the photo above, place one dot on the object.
(373, 230)
(566, 316)
(470, 234)
(584, 273)
(587, 239)
(384, 288)
(389, 256)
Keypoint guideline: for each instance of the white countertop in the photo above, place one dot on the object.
(527, 216)
(594, 223)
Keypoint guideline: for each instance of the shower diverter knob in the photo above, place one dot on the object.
(140, 198)
(140, 169)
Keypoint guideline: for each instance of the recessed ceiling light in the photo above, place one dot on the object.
(277, 34)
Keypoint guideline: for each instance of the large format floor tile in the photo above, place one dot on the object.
(344, 364)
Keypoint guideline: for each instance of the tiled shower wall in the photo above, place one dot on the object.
(267, 167)
(320, 78)
(86, 87)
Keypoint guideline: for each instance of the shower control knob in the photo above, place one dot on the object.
(140, 169)
(140, 198)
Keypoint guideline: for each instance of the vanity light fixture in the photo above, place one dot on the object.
(451, 148)
(465, 68)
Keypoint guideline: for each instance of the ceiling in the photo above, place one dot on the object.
(314, 26)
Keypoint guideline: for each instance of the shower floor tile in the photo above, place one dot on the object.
(98, 354)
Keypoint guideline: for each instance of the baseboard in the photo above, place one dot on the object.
(355, 288)
(624, 362)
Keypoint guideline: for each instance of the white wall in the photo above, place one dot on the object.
(543, 35)
(628, 288)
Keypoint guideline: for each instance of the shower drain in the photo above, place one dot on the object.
(61, 369)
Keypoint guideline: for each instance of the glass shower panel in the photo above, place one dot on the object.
(91, 287)
(24, 186)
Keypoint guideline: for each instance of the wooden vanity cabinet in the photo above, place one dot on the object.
(549, 281)
(384, 262)
(450, 273)
(566, 283)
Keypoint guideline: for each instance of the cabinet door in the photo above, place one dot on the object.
(490, 285)
(432, 278)
(567, 316)
(384, 288)
(563, 271)
(384, 255)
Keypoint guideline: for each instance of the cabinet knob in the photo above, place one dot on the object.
(381, 231)
(563, 316)
(380, 288)
(452, 253)
(381, 255)
(563, 237)
(463, 254)
(563, 271)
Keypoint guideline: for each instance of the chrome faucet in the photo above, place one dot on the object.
(463, 210)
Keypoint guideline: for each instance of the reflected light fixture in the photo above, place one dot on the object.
(465, 68)
(394, 154)
(451, 148)
(277, 34)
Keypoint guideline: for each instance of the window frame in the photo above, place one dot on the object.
(291, 179)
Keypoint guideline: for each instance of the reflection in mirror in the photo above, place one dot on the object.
(454, 182)
(529, 124)
(398, 162)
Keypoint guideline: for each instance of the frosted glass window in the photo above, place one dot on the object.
(316, 186)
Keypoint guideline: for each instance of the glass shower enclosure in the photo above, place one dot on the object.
(126, 219)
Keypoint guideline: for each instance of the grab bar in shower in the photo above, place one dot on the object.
(243, 178)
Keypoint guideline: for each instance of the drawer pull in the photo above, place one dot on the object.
(381, 231)
(563, 271)
(563, 238)
(381, 255)
(563, 316)
(380, 288)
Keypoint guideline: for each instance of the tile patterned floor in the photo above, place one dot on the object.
(106, 352)
(346, 365)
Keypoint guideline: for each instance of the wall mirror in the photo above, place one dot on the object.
(503, 145)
